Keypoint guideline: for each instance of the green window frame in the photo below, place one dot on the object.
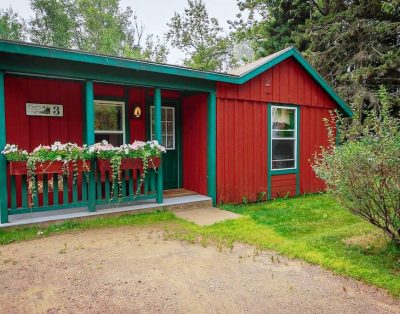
(287, 170)
(283, 138)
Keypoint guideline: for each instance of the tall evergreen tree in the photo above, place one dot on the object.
(354, 44)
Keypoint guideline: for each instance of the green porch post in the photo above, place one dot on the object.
(89, 139)
(212, 147)
(3, 162)
(157, 118)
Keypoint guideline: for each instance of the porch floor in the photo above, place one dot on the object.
(178, 199)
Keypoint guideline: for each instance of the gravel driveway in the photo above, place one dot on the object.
(131, 270)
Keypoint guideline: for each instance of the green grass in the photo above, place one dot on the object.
(313, 228)
(32, 232)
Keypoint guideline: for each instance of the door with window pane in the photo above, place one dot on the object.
(109, 122)
(169, 125)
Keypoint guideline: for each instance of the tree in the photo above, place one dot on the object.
(200, 38)
(54, 23)
(363, 173)
(270, 24)
(353, 44)
(100, 26)
(357, 50)
(12, 26)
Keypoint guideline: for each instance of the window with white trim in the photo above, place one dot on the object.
(283, 137)
(109, 117)
(167, 126)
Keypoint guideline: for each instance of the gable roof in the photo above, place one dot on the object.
(236, 76)
(248, 67)
(251, 70)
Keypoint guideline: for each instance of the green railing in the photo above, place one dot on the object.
(130, 188)
(55, 191)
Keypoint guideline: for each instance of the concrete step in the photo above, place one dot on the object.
(205, 216)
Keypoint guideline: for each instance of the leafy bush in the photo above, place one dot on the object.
(363, 173)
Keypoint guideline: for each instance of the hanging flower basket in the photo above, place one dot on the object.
(19, 168)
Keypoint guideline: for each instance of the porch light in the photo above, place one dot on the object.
(137, 112)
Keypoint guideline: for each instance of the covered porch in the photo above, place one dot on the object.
(103, 102)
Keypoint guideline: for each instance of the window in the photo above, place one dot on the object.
(167, 126)
(283, 137)
(109, 122)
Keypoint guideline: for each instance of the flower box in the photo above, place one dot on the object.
(154, 162)
(19, 168)
(127, 164)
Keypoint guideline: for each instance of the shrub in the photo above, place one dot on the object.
(363, 173)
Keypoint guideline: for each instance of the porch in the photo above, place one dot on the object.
(179, 199)
(145, 106)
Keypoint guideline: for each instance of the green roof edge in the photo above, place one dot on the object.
(79, 56)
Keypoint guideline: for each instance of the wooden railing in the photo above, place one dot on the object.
(57, 191)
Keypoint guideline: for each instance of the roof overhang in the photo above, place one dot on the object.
(166, 69)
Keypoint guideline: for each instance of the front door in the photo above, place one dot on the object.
(171, 159)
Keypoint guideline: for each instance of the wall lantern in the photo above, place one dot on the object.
(137, 112)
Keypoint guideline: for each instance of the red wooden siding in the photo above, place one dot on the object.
(30, 131)
(108, 90)
(241, 149)
(137, 97)
(242, 129)
(194, 142)
(283, 185)
(313, 135)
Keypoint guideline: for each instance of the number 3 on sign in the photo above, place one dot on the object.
(57, 111)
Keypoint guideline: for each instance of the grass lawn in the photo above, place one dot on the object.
(313, 228)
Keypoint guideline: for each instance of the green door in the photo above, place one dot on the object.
(170, 139)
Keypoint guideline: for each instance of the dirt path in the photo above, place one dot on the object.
(134, 270)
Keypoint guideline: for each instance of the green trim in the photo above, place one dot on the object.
(86, 57)
(158, 131)
(178, 139)
(90, 139)
(298, 126)
(128, 112)
(295, 171)
(212, 147)
(3, 162)
(35, 209)
(89, 113)
(283, 171)
(51, 53)
(58, 69)
(269, 188)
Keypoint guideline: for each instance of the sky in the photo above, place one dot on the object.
(153, 13)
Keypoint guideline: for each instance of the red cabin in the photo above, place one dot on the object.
(246, 134)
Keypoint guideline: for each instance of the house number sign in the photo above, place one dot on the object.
(44, 110)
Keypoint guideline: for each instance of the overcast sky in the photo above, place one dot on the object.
(154, 13)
